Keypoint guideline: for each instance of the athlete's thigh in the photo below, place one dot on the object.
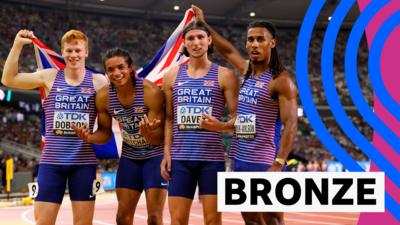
(52, 180)
(208, 178)
(46, 212)
(82, 212)
(151, 174)
(130, 174)
(155, 199)
(80, 183)
(184, 178)
(127, 201)
(179, 209)
(210, 210)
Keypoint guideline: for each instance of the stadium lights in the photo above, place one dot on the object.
(176, 7)
(252, 14)
(8, 97)
(2, 95)
(300, 112)
(329, 18)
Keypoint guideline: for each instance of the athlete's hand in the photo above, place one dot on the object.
(23, 37)
(82, 132)
(275, 167)
(146, 126)
(211, 123)
(198, 13)
(165, 167)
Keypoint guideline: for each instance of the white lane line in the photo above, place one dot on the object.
(103, 223)
(25, 218)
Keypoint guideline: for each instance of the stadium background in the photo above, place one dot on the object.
(142, 27)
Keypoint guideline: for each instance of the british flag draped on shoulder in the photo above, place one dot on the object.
(168, 56)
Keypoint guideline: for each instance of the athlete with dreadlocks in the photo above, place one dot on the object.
(267, 100)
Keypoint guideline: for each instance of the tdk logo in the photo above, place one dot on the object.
(197, 110)
(75, 116)
(246, 118)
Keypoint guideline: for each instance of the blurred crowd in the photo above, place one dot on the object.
(20, 126)
(142, 38)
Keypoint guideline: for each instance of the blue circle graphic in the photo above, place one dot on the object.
(352, 80)
(374, 65)
(328, 82)
(305, 91)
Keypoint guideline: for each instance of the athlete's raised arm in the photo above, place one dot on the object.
(223, 46)
(12, 78)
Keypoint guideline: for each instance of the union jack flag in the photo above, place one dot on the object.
(259, 84)
(209, 83)
(138, 109)
(168, 56)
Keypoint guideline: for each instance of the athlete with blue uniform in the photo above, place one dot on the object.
(137, 104)
(267, 100)
(193, 155)
(70, 99)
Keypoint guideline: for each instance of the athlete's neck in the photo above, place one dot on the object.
(126, 90)
(259, 68)
(197, 66)
(74, 76)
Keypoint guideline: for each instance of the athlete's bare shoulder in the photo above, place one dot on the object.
(227, 78)
(153, 95)
(49, 72)
(99, 81)
(48, 76)
(150, 87)
(170, 76)
(283, 84)
(224, 71)
(172, 72)
(103, 92)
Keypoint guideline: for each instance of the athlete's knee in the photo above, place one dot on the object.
(83, 222)
(213, 218)
(253, 218)
(154, 219)
(39, 221)
(274, 221)
(179, 218)
(274, 218)
(254, 221)
(123, 219)
(43, 220)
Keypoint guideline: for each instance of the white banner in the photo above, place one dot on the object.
(301, 192)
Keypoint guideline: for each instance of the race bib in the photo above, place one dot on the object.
(63, 120)
(97, 187)
(33, 188)
(245, 126)
(188, 117)
(135, 140)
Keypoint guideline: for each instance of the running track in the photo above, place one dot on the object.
(106, 206)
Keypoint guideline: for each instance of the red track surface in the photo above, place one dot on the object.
(106, 207)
